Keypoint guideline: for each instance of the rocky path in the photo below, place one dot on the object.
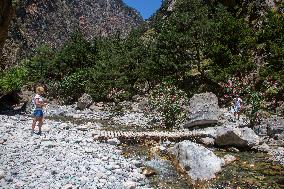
(63, 157)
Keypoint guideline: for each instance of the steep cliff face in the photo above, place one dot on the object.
(51, 22)
(6, 12)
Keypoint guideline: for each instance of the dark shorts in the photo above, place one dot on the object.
(38, 113)
(237, 109)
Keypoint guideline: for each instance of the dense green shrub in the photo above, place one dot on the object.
(12, 80)
(76, 54)
(230, 50)
(272, 40)
(73, 86)
(41, 66)
(49, 64)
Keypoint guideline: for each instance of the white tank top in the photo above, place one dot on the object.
(40, 98)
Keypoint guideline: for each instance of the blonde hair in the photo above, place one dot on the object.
(39, 90)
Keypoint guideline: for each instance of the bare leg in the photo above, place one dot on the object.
(235, 115)
(40, 123)
(34, 124)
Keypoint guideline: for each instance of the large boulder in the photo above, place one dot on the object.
(84, 101)
(280, 109)
(238, 137)
(26, 98)
(275, 126)
(197, 161)
(203, 110)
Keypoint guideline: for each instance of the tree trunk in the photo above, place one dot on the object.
(200, 70)
(6, 14)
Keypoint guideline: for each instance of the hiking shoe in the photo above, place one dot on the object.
(39, 133)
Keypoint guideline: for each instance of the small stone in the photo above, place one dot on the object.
(53, 172)
(232, 149)
(44, 128)
(88, 150)
(76, 116)
(64, 126)
(96, 108)
(129, 185)
(84, 102)
(100, 175)
(82, 128)
(68, 186)
(148, 172)
(48, 144)
(262, 148)
(14, 172)
(229, 159)
(8, 179)
(162, 149)
(136, 163)
(2, 141)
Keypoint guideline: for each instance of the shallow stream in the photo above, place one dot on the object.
(250, 171)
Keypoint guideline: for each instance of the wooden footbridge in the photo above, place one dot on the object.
(136, 137)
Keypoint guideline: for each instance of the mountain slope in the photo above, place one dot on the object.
(51, 22)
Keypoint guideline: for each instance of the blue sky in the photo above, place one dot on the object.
(145, 7)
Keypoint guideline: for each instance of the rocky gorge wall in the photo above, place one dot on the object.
(51, 23)
(6, 12)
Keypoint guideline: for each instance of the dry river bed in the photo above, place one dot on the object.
(62, 157)
(66, 156)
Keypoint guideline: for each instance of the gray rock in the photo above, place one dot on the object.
(275, 125)
(129, 185)
(238, 137)
(229, 159)
(2, 174)
(82, 128)
(84, 101)
(207, 141)
(64, 126)
(203, 110)
(113, 141)
(89, 150)
(28, 106)
(68, 186)
(48, 144)
(9, 179)
(2, 141)
(94, 107)
(143, 104)
(280, 109)
(232, 149)
(197, 161)
(262, 148)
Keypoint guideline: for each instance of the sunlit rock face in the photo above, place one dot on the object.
(51, 22)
